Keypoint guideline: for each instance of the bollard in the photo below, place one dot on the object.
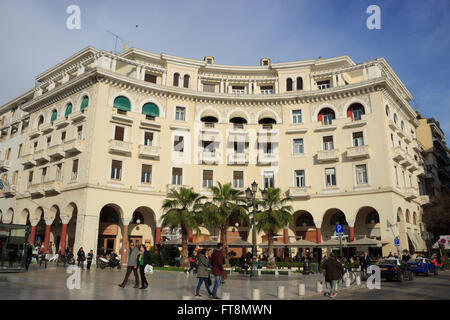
(186, 298)
(255, 294)
(358, 280)
(226, 296)
(301, 289)
(319, 287)
(276, 272)
(259, 272)
(289, 273)
(347, 282)
(281, 292)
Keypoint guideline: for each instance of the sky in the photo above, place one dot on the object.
(414, 37)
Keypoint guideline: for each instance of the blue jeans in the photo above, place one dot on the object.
(200, 281)
(82, 264)
(217, 281)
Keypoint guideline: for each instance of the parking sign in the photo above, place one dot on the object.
(397, 242)
(339, 229)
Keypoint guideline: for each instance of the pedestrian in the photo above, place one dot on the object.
(81, 257)
(333, 272)
(132, 266)
(365, 261)
(389, 255)
(144, 258)
(192, 264)
(202, 273)
(29, 252)
(217, 262)
(90, 256)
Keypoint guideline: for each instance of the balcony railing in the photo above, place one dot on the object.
(34, 133)
(424, 199)
(60, 123)
(411, 193)
(28, 160)
(9, 190)
(392, 125)
(56, 151)
(328, 155)
(299, 192)
(209, 157)
(46, 128)
(36, 190)
(358, 152)
(77, 116)
(5, 165)
(73, 146)
(406, 161)
(53, 186)
(122, 147)
(267, 158)
(398, 154)
(41, 156)
(238, 158)
(148, 151)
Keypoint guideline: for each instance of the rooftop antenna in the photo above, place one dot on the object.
(117, 37)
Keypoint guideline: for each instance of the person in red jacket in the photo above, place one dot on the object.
(217, 262)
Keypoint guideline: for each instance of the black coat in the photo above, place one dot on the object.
(147, 258)
(333, 269)
(81, 256)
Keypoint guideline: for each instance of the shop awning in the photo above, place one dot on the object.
(276, 244)
(150, 109)
(364, 242)
(302, 244)
(332, 243)
(240, 244)
(207, 243)
(413, 240)
(122, 103)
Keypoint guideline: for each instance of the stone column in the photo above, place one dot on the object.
(312, 83)
(32, 233)
(124, 254)
(221, 86)
(249, 87)
(364, 73)
(113, 65)
(334, 81)
(157, 238)
(226, 86)
(318, 231)
(62, 244)
(138, 72)
(199, 84)
(142, 75)
(351, 229)
(164, 77)
(276, 86)
(48, 224)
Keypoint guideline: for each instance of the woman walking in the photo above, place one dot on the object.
(144, 258)
(81, 257)
(202, 272)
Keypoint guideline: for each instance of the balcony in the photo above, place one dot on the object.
(417, 147)
(52, 187)
(46, 128)
(358, 152)
(354, 124)
(413, 167)
(56, 151)
(36, 190)
(73, 146)
(41, 156)
(398, 154)
(406, 161)
(5, 165)
(420, 171)
(9, 191)
(77, 116)
(392, 125)
(150, 152)
(28, 160)
(267, 158)
(262, 133)
(209, 157)
(210, 134)
(299, 192)
(423, 199)
(61, 123)
(237, 158)
(410, 193)
(176, 187)
(328, 155)
(401, 134)
(407, 139)
(121, 147)
(327, 127)
(34, 133)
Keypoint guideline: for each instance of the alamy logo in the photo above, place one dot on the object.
(374, 280)
(374, 20)
(74, 280)
(74, 20)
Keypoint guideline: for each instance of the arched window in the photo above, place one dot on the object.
(122, 103)
(395, 118)
(68, 110)
(84, 103)
(299, 83)
(304, 220)
(372, 217)
(355, 111)
(288, 84)
(186, 81)
(414, 218)
(402, 125)
(40, 122)
(150, 110)
(326, 116)
(338, 218)
(138, 218)
(387, 111)
(176, 79)
(267, 120)
(407, 216)
(54, 116)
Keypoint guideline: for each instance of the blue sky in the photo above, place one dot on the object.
(414, 36)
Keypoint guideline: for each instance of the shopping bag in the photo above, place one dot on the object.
(148, 269)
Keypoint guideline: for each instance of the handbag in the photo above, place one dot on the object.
(148, 269)
(224, 275)
(209, 281)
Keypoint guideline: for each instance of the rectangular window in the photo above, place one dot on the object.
(328, 143)
(150, 78)
(8, 151)
(323, 84)
(330, 177)
(80, 132)
(361, 174)
(59, 172)
(297, 116)
(266, 90)
(35, 145)
(178, 144)
(269, 180)
(116, 170)
(74, 174)
(299, 178)
(63, 137)
(207, 87)
(238, 89)
(298, 146)
(49, 140)
(238, 179)
(357, 113)
(30, 178)
(404, 179)
(358, 139)
(177, 176)
(44, 175)
(180, 113)
(148, 138)
(146, 174)
(209, 146)
(327, 119)
(207, 181)
(19, 153)
(396, 175)
(119, 133)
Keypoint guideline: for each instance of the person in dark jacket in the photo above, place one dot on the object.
(90, 256)
(365, 261)
(29, 253)
(144, 258)
(132, 266)
(333, 272)
(202, 272)
(81, 257)
(217, 262)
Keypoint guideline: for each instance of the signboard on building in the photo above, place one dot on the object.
(444, 240)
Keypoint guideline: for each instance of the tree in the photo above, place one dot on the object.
(227, 206)
(183, 210)
(436, 215)
(275, 215)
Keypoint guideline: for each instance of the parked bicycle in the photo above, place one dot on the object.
(349, 274)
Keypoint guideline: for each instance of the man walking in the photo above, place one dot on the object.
(333, 272)
(132, 266)
(217, 262)
(90, 256)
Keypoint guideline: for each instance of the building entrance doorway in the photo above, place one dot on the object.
(107, 242)
(137, 240)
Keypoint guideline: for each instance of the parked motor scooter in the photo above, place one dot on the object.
(112, 262)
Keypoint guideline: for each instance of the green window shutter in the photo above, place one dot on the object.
(122, 103)
(150, 109)
(54, 116)
(84, 103)
(68, 110)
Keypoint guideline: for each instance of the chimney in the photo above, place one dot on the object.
(125, 46)
(264, 62)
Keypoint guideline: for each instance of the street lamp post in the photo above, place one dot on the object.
(250, 194)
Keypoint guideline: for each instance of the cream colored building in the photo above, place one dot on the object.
(105, 137)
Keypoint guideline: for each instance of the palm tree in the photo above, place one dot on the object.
(183, 210)
(275, 215)
(227, 206)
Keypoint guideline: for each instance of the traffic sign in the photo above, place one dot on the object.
(339, 229)
(397, 242)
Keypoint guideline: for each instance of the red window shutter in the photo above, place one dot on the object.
(350, 113)
(320, 118)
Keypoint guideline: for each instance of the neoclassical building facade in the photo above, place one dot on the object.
(90, 153)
